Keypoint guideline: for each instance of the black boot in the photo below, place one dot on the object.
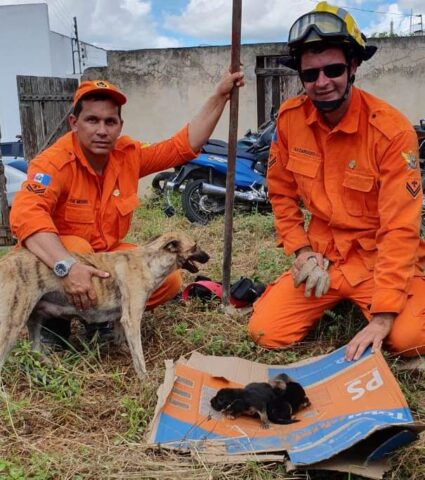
(55, 333)
(103, 331)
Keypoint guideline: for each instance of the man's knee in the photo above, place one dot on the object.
(265, 333)
(406, 342)
(166, 291)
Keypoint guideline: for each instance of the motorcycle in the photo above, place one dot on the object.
(202, 182)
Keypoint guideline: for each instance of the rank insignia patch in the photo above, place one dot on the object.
(272, 160)
(410, 159)
(413, 187)
(36, 188)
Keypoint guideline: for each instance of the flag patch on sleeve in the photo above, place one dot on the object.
(42, 178)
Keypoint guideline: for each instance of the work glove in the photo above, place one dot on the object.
(316, 278)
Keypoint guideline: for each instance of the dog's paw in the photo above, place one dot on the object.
(119, 335)
(46, 359)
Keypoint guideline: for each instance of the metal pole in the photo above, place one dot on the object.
(233, 133)
(77, 43)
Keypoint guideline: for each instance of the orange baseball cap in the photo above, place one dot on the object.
(99, 86)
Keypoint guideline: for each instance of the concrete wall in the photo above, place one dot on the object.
(166, 87)
(397, 74)
(28, 47)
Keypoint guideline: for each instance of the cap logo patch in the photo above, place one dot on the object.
(413, 187)
(410, 159)
(102, 84)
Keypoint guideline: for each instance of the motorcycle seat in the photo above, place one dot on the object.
(223, 150)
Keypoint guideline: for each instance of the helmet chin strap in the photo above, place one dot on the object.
(327, 106)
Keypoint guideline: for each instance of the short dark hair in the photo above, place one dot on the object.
(96, 97)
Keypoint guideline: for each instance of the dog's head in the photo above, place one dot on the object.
(183, 247)
(296, 396)
(226, 398)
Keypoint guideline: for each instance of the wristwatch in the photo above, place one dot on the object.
(62, 267)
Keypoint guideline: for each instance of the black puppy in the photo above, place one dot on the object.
(289, 398)
(251, 400)
(274, 402)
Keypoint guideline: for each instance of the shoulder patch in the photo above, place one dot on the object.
(42, 178)
(411, 159)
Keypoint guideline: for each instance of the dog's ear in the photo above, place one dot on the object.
(173, 246)
(152, 239)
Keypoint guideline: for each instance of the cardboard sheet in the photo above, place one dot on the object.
(349, 402)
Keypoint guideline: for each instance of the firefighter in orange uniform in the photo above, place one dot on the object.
(81, 192)
(351, 160)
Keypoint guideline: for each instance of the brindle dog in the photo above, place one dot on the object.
(30, 292)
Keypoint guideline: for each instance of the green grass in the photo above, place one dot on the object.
(85, 414)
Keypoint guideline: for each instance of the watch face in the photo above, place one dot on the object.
(61, 269)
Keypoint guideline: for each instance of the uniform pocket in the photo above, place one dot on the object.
(305, 170)
(79, 220)
(358, 196)
(125, 207)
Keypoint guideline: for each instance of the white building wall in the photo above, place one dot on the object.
(62, 55)
(28, 47)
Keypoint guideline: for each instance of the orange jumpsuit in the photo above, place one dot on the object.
(361, 182)
(65, 196)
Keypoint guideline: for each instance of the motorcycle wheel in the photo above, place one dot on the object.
(198, 207)
(159, 181)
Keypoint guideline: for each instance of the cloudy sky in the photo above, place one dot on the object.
(133, 24)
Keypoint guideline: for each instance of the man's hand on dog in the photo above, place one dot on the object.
(78, 285)
(311, 267)
(373, 334)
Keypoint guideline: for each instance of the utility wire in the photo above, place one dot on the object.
(374, 11)
(64, 9)
(62, 16)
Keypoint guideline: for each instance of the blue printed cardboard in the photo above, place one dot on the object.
(350, 401)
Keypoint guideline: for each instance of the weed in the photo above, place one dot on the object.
(181, 328)
(57, 379)
(39, 467)
(136, 418)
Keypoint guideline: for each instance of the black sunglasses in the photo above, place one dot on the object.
(333, 70)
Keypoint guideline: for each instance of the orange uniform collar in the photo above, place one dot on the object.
(350, 121)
